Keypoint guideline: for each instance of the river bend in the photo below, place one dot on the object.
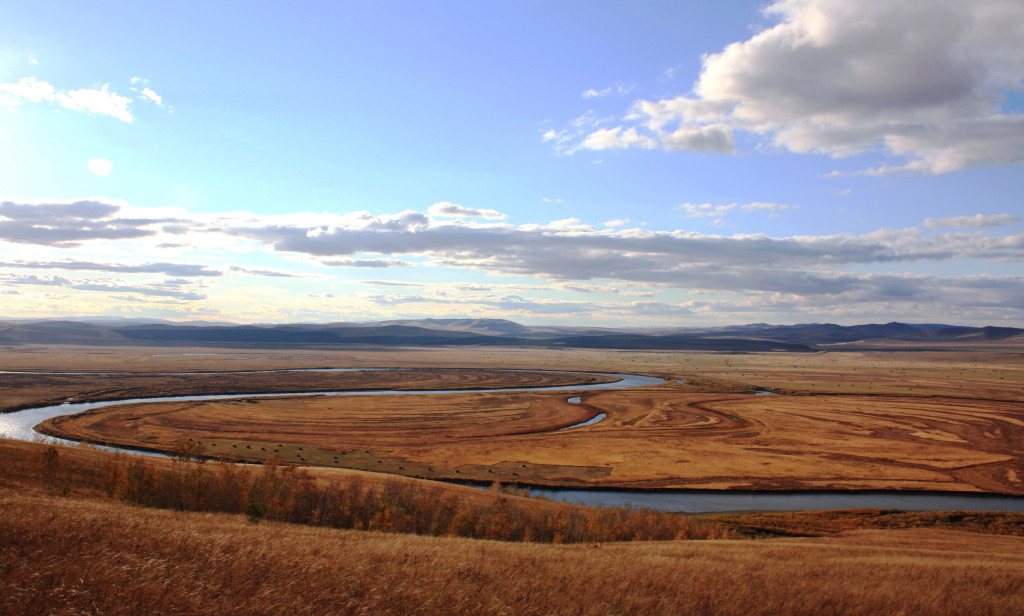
(20, 424)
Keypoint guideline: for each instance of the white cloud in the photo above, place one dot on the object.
(100, 166)
(718, 212)
(978, 220)
(618, 88)
(101, 101)
(26, 90)
(444, 208)
(922, 81)
(91, 100)
(617, 138)
(140, 85)
(153, 96)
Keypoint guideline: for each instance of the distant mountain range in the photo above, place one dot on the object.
(481, 332)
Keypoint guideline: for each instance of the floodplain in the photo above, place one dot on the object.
(948, 421)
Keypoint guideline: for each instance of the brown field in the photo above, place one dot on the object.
(950, 420)
(84, 553)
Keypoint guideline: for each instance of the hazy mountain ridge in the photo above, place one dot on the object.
(465, 332)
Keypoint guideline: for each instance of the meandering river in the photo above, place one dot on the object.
(20, 425)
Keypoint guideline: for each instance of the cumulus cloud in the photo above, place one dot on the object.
(444, 208)
(923, 81)
(978, 220)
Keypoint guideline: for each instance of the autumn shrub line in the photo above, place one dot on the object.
(284, 493)
(824, 523)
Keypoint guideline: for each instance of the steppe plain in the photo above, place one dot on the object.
(938, 419)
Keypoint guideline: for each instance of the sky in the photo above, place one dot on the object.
(607, 163)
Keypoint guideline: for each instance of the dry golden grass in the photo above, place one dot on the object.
(951, 372)
(653, 438)
(18, 390)
(968, 370)
(72, 556)
(967, 439)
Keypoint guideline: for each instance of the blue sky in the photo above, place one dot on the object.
(608, 163)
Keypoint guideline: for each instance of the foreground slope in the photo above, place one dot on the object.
(70, 556)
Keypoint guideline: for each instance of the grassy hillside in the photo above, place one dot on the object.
(85, 553)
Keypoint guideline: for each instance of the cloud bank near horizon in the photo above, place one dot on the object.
(568, 268)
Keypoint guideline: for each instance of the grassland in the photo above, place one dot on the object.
(70, 556)
(24, 389)
(938, 421)
(966, 371)
(650, 438)
(86, 553)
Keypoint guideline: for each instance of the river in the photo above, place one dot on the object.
(20, 424)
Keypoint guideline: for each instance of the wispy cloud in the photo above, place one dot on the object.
(67, 225)
(372, 263)
(269, 273)
(99, 100)
(30, 90)
(166, 289)
(717, 213)
(821, 271)
(976, 221)
(170, 269)
(618, 88)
